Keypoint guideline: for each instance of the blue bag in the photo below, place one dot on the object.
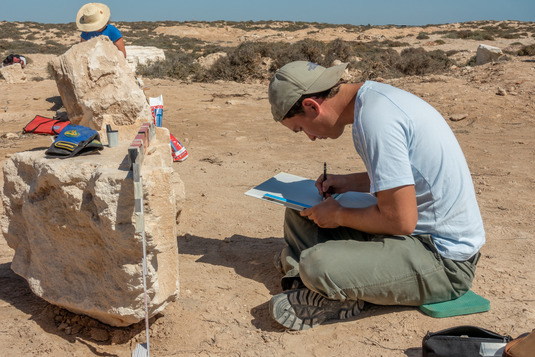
(75, 140)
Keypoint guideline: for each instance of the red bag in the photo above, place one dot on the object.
(46, 126)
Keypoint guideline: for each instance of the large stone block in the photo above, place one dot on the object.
(94, 79)
(142, 55)
(486, 54)
(13, 73)
(71, 223)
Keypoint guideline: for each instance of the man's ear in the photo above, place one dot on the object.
(311, 106)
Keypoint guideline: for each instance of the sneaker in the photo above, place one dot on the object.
(302, 309)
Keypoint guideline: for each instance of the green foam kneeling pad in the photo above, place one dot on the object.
(469, 303)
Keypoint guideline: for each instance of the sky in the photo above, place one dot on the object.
(354, 12)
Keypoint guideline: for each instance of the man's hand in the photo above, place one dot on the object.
(324, 214)
(395, 213)
(358, 182)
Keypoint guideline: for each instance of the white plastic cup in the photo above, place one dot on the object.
(113, 138)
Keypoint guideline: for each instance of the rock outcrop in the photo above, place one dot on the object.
(208, 61)
(71, 223)
(94, 79)
(142, 55)
(13, 73)
(486, 54)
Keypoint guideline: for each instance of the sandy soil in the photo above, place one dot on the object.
(227, 240)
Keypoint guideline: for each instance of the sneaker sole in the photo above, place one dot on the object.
(303, 309)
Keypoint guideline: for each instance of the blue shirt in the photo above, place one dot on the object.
(404, 141)
(111, 31)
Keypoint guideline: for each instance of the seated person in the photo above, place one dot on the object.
(93, 20)
(418, 244)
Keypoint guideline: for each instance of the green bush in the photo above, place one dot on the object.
(527, 51)
(244, 62)
(177, 65)
(24, 47)
(416, 61)
(422, 36)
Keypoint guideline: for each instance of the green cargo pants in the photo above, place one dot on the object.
(344, 263)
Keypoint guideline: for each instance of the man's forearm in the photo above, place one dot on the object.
(395, 213)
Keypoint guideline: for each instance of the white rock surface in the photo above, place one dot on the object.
(71, 223)
(94, 79)
(143, 55)
(13, 73)
(209, 60)
(486, 54)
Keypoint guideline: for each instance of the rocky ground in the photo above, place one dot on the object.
(227, 240)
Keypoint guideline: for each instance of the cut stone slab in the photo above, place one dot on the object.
(93, 80)
(72, 222)
(486, 54)
(142, 55)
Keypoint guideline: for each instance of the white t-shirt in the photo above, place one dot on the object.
(404, 141)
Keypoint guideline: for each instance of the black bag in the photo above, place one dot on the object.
(460, 341)
(12, 59)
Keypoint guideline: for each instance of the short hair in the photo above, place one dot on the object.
(297, 108)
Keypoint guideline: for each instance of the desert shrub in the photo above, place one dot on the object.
(422, 36)
(377, 62)
(177, 64)
(469, 35)
(390, 43)
(440, 42)
(305, 50)
(245, 62)
(10, 31)
(25, 47)
(416, 61)
(527, 51)
(339, 50)
(452, 52)
(248, 60)
(241, 64)
(142, 26)
(472, 61)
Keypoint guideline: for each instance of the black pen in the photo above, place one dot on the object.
(324, 178)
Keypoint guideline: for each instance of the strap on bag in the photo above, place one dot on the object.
(459, 341)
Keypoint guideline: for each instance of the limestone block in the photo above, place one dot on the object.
(486, 54)
(71, 223)
(93, 79)
(13, 73)
(208, 61)
(143, 55)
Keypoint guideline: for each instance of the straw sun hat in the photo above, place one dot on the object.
(92, 17)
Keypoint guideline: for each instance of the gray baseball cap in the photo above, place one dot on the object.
(294, 79)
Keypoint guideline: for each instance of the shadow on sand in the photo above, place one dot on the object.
(252, 258)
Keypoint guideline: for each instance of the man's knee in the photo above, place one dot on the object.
(316, 264)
